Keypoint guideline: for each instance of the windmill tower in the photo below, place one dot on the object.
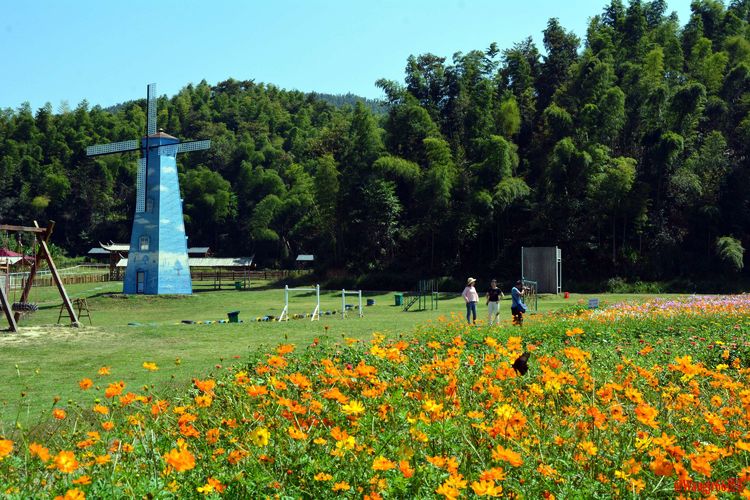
(158, 259)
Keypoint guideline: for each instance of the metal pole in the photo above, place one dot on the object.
(343, 303)
(286, 297)
(360, 304)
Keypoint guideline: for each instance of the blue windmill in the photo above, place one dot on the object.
(158, 259)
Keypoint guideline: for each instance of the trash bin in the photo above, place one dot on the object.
(399, 298)
(370, 302)
(234, 316)
(238, 285)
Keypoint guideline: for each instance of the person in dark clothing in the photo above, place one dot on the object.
(494, 294)
(517, 307)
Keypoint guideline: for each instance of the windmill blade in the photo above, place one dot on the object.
(140, 187)
(151, 109)
(184, 147)
(112, 147)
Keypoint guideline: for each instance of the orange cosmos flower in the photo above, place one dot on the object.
(661, 466)
(74, 494)
(59, 414)
(6, 447)
(300, 381)
(150, 366)
(104, 370)
(277, 362)
(717, 424)
(322, 476)
(405, 469)
(486, 489)
(285, 349)
(216, 484)
(235, 456)
(160, 406)
(203, 401)
(256, 390)
(102, 459)
(114, 389)
(700, 465)
(100, 409)
(342, 486)
(108, 425)
(547, 470)
(510, 456)
(382, 463)
(493, 474)
(295, 433)
(85, 384)
(180, 459)
(82, 480)
(212, 435)
(449, 492)
(66, 462)
(646, 415)
(40, 451)
(588, 447)
(205, 386)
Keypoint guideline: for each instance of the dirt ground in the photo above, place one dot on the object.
(45, 333)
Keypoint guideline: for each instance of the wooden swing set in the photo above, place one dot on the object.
(42, 235)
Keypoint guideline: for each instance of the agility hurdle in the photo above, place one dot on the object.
(284, 316)
(344, 293)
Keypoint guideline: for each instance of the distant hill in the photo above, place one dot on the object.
(376, 106)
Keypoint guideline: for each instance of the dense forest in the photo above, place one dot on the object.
(628, 149)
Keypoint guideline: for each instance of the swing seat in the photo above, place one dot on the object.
(26, 307)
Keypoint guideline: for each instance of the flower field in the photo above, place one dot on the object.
(623, 401)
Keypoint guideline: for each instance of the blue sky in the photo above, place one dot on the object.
(106, 52)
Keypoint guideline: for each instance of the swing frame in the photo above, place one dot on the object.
(42, 235)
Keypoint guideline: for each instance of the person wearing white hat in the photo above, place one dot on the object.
(471, 297)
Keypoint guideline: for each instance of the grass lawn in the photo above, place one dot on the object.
(43, 361)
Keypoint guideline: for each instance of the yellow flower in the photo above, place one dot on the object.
(322, 476)
(150, 366)
(353, 408)
(346, 444)
(431, 406)
(260, 436)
